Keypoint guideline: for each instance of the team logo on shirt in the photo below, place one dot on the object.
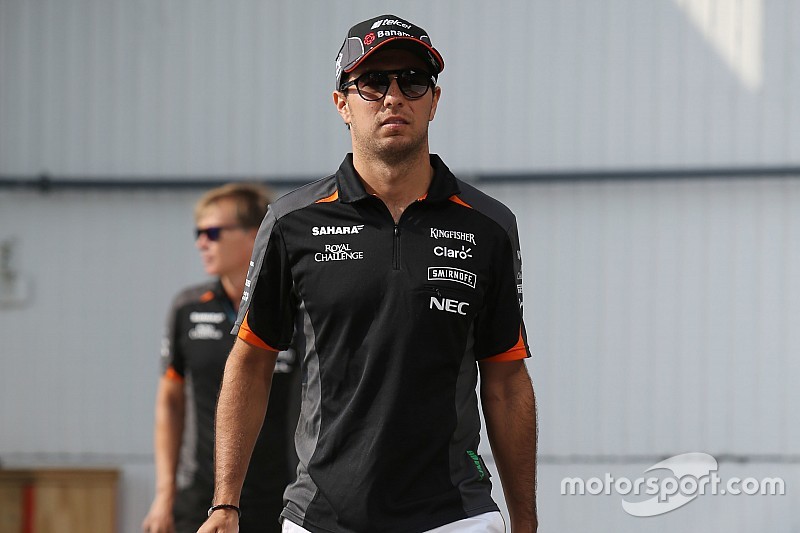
(452, 274)
(215, 318)
(437, 233)
(449, 305)
(519, 278)
(444, 251)
(204, 332)
(336, 230)
(338, 252)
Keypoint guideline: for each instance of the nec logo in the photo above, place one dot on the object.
(336, 230)
(390, 22)
(446, 304)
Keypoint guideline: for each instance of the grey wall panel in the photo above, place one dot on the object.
(661, 317)
(237, 88)
(81, 355)
(661, 314)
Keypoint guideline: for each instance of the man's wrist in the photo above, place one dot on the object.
(225, 507)
(166, 493)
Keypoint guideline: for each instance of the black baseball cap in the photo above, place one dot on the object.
(366, 37)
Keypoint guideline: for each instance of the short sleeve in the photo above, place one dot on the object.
(499, 329)
(266, 313)
(172, 361)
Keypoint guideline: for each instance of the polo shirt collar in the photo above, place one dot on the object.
(351, 188)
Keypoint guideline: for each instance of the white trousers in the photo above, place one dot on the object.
(483, 523)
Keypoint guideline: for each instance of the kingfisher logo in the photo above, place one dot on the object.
(390, 22)
(437, 233)
(336, 230)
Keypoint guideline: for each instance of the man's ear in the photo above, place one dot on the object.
(340, 101)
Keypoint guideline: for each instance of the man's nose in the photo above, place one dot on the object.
(393, 93)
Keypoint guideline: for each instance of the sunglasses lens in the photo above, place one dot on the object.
(211, 233)
(374, 85)
(413, 84)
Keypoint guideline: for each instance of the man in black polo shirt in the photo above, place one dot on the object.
(194, 350)
(406, 282)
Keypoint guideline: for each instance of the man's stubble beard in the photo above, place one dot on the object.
(391, 153)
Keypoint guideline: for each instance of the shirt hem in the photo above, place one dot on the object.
(286, 514)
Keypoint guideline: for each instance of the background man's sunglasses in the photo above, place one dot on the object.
(213, 233)
(372, 86)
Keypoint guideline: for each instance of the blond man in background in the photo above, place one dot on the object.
(195, 349)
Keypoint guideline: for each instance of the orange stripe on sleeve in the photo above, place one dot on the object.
(332, 198)
(459, 201)
(247, 335)
(172, 374)
(518, 351)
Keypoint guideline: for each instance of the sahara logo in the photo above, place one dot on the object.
(336, 230)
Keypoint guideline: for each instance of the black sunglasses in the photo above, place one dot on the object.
(213, 233)
(372, 86)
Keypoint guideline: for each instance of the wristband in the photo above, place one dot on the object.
(224, 506)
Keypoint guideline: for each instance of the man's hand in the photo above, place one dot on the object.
(159, 518)
(221, 521)
(170, 410)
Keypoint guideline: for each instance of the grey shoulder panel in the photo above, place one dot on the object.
(483, 203)
(286, 204)
(494, 209)
(304, 196)
(190, 295)
(502, 216)
(256, 260)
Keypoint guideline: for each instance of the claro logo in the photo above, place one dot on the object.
(448, 305)
(444, 251)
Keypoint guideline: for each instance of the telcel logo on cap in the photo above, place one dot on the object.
(391, 22)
